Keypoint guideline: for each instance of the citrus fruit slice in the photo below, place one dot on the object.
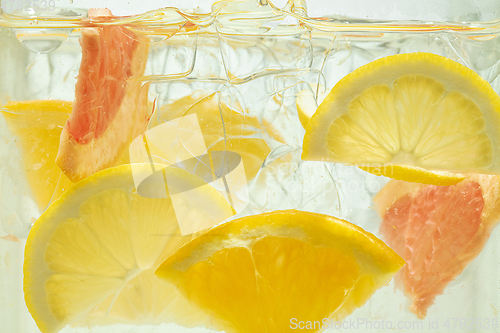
(416, 174)
(418, 112)
(38, 125)
(307, 102)
(91, 255)
(108, 112)
(255, 273)
(223, 128)
(438, 230)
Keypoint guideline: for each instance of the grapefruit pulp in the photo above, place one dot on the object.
(106, 115)
(438, 230)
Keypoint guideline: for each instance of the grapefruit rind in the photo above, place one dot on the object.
(81, 156)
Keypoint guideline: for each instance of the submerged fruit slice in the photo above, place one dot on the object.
(418, 111)
(91, 255)
(256, 273)
(438, 230)
(307, 102)
(38, 125)
(416, 174)
(224, 127)
(108, 112)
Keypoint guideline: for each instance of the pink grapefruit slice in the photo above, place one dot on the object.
(438, 230)
(106, 113)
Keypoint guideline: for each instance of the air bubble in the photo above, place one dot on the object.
(41, 40)
(44, 40)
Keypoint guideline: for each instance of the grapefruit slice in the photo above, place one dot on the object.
(438, 230)
(106, 115)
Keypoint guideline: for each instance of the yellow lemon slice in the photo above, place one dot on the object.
(419, 112)
(38, 126)
(91, 255)
(307, 102)
(256, 273)
(223, 127)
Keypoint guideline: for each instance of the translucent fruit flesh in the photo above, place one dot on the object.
(417, 117)
(255, 273)
(307, 102)
(91, 255)
(224, 127)
(38, 126)
(438, 230)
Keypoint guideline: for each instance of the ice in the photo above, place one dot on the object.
(356, 191)
(259, 41)
(257, 62)
(458, 10)
(17, 210)
(481, 54)
(173, 57)
(208, 62)
(287, 182)
(338, 55)
(261, 55)
(42, 41)
(47, 75)
(14, 57)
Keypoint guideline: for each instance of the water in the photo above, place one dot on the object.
(257, 66)
(41, 41)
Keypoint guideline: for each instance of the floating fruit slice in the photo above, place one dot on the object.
(38, 125)
(108, 112)
(418, 112)
(91, 255)
(223, 127)
(255, 273)
(416, 174)
(438, 230)
(307, 102)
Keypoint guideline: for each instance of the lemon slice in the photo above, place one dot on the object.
(224, 127)
(307, 102)
(91, 255)
(38, 126)
(255, 273)
(419, 111)
(416, 174)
